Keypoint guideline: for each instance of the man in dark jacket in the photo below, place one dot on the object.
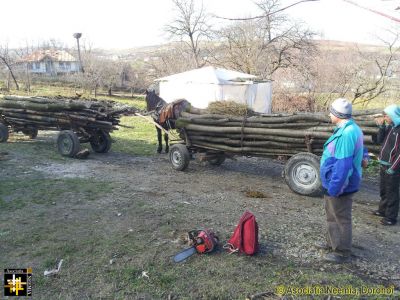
(389, 159)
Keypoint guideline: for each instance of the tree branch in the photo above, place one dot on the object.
(265, 15)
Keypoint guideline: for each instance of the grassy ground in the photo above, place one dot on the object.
(44, 219)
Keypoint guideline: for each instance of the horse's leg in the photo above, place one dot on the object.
(166, 142)
(159, 136)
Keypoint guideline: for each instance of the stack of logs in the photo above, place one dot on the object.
(60, 113)
(274, 134)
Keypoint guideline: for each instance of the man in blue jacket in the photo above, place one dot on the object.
(341, 171)
(389, 159)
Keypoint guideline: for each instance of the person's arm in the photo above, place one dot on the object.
(345, 148)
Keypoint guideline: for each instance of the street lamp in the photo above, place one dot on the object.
(78, 36)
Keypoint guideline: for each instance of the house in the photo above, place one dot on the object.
(50, 62)
(204, 85)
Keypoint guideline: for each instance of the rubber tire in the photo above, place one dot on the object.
(70, 137)
(105, 142)
(32, 133)
(219, 160)
(3, 133)
(309, 160)
(179, 157)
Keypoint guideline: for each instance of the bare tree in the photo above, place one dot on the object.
(8, 61)
(191, 27)
(359, 74)
(266, 44)
(169, 61)
(371, 79)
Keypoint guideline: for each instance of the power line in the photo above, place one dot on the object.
(374, 11)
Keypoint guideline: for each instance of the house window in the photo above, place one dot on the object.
(68, 65)
(37, 65)
(61, 64)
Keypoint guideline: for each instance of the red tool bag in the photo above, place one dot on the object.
(245, 236)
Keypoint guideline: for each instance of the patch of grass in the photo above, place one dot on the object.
(141, 140)
(22, 145)
(220, 276)
(16, 194)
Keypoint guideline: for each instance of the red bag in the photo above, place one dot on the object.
(245, 236)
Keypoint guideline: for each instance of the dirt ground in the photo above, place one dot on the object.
(141, 209)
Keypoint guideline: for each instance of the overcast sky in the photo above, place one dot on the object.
(133, 23)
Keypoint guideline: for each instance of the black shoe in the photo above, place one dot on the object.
(378, 213)
(322, 246)
(388, 222)
(337, 258)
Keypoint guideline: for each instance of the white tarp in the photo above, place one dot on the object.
(202, 86)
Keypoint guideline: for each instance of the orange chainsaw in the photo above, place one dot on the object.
(201, 241)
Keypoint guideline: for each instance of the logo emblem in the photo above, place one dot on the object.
(18, 282)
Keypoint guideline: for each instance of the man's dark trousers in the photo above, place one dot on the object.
(338, 216)
(389, 191)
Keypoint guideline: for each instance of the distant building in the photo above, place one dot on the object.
(50, 62)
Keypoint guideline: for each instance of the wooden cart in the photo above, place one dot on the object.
(83, 123)
(301, 171)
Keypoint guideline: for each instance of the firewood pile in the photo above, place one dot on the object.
(273, 134)
(61, 113)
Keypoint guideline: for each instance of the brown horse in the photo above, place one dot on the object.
(164, 114)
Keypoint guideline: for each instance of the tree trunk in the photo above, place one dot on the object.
(11, 72)
(28, 80)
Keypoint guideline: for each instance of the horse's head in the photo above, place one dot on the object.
(153, 101)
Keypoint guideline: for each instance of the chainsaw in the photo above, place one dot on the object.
(202, 241)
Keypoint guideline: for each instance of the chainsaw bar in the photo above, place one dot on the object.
(181, 256)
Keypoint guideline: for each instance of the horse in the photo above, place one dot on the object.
(164, 114)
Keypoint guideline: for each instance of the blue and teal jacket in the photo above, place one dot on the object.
(340, 168)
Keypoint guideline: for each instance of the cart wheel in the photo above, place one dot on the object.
(179, 156)
(68, 143)
(3, 133)
(101, 141)
(218, 160)
(302, 174)
(32, 133)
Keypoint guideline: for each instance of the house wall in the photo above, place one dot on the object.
(53, 67)
(66, 67)
(37, 67)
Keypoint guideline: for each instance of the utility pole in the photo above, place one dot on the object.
(78, 35)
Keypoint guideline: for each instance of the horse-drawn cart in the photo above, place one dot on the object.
(79, 121)
(299, 138)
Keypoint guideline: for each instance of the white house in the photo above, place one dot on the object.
(50, 62)
(204, 85)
